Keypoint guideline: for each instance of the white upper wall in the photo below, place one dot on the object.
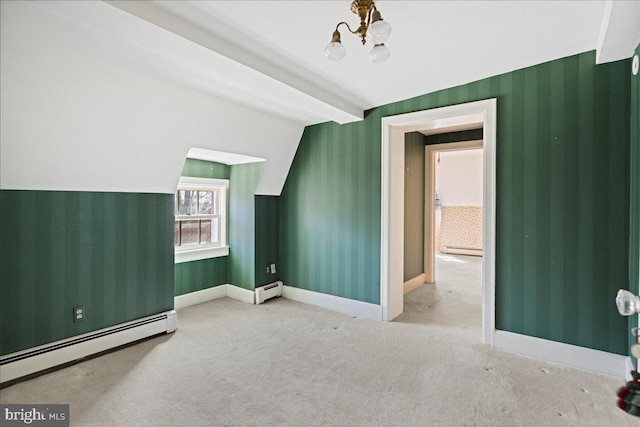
(459, 178)
(75, 116)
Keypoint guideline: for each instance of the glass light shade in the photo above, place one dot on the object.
(627, 303)
(379, 31)
(335, 51)
(380, 53)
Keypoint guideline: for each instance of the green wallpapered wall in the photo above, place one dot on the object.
(562, 200)
(241, 265)
(111, 252)
(330, 212)
(207, 273)
(202, 274)
(267, 236)
(463, 135)
(634, 225)
(413, 204)
(205, 169)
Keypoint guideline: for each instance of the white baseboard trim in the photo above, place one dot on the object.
(334, 303)
(415, 283)
(573, 356)
(240, 294)
(33, 360)
(209, 294)
(197, 297)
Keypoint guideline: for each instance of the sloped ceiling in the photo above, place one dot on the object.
(111, 95)
(434, 44)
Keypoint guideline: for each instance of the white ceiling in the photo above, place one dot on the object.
(434, 45)
(131, 86)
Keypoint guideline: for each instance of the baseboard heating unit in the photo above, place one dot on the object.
(269, 291)
(22, 363)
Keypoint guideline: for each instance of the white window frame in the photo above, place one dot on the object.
(204, 251)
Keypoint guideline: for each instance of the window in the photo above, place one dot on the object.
(200, 219)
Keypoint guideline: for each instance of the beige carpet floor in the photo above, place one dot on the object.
(291, 364)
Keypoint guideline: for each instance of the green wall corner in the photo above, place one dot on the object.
(562, 177)
(198, 275)
(267, 239)
(241, 265)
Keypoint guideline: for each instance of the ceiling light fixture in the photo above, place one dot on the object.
(371, 22)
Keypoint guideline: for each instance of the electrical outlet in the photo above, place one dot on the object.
(273, 269)
(78, 313)
(268, 269)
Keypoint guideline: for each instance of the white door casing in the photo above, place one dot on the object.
(392, 201)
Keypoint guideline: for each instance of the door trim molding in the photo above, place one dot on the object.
(392, 201)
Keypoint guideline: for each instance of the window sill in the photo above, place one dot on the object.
(198, 254)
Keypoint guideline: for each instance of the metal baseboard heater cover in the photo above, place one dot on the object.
(269, 291)
(27, 362)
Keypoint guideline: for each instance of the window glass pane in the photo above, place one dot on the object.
(205, 231)
(196, 204)
(206, 202)
(187, 202)
(189, 232)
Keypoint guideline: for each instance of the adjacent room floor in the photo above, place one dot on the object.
(286, 363)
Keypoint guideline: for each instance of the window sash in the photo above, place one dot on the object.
(179, 242)
(195, 217)
(217, 205)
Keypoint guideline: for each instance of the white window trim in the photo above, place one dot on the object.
(201, 253)
(186, 254)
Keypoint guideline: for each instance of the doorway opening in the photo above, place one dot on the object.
(453, 232)
(453, 201)
(392, 224)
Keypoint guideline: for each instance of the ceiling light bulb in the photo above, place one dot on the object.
(627, 303)
(379, 31)
(379, 54)
(335, 51)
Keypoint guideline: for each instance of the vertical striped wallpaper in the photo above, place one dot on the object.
(414, 160)
(111, 252)
(267, 239)
(205, 169)
(562, 200)
(634, 217)
(207, 273)
(330, 212)
(242, 224)
(197, 275)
